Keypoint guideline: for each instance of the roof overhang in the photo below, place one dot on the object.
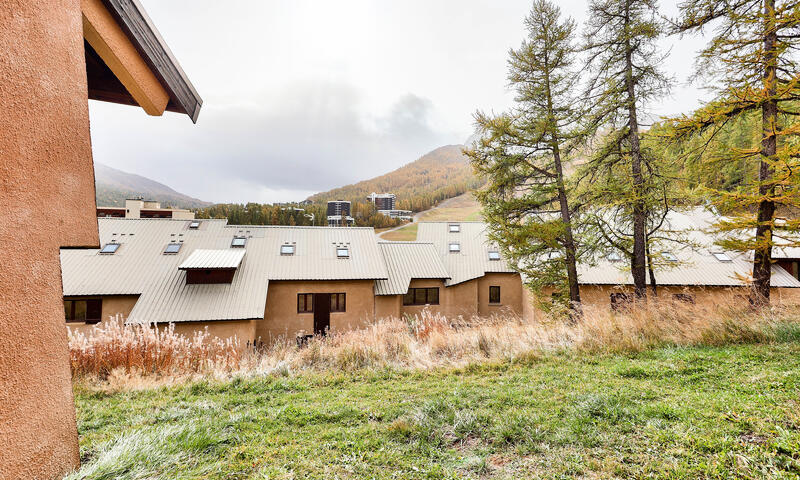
(228, 259)
(128, 62)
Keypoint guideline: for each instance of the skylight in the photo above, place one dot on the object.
(455, 247)
(194, 225)
(455, 228)
(287, 249)
(238, 242)
(172, 248)
(109, 248)
(614, 256)
(343, 252)
(493, 255)
(722, 256)
(668, 256)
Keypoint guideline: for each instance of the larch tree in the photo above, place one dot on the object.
(522, 154)
(622, 60)
(751, 58)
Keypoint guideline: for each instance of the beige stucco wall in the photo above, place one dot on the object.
(281, 319)
(470, 298)
(510, 294)
(45, 161)
(243, 330)
(388, 306)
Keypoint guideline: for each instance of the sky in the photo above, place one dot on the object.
(301, 96)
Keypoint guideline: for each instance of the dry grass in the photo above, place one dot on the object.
(125, 354)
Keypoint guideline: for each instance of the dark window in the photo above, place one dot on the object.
(88, 311)
(109, 248)
(172, 248)
(305, 302)
(238, 242)
(421, 296)
(209, 275)
(683, 297)
(620, 301)
(494, 294)
(338, 302)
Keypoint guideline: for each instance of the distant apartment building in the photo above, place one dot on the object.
(140, 208)
(339, 214)
(383, 201)
(398, 214)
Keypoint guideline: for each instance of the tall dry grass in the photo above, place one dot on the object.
(429, 340)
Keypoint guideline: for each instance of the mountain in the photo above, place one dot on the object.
(114, 186)
(438, 175)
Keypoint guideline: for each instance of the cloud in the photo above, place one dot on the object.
(309, 137)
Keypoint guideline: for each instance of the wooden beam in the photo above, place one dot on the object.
(106, 37)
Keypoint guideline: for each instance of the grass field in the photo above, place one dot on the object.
(461, 208)
(405, 234)
(673, 412)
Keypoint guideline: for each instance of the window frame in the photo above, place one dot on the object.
(172, 244)
(243, 239)
(412, 293)
(722, 257)
(340, 249)
(308, 305)
(493, 288)
(341, 302)
(109, 244)
(287, 254)
(98, 306)
(669, 256)
(494, 252)
(454, 227)
(457, 249)
(194, 225)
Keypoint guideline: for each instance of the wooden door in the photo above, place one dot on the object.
(322, 313)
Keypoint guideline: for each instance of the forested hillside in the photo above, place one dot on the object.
(438, 175)
(114, 186)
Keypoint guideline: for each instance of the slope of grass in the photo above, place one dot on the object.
(404, 234)
(461, 208)
(700, 412)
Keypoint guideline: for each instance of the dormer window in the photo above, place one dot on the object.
(342, 252)
(454, 228)
(668, 256)
(722, 257)
(109, 248)
(455, 247)
(238, 242)
(194, 225)
(494, 255)
(172, 248)
(287, 249)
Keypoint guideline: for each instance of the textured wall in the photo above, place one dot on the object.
(45, 161)
(510, 294)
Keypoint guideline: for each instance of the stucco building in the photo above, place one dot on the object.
(57, 54)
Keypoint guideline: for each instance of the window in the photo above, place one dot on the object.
(620, 301)
(455, 247)
(494, 294)
(287, 249)
(109, 248)
(343, 252)
(421, 296)
(614, 257)
(668, 256)
(238, 242)
(722, 256)
(305, 303)
(172, 248)
(194, 225)
(683, 297)
(338, 302)
(88, 311)
(455, 228)
(493, 255)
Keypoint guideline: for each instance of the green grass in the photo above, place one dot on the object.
(405, 234)
(668, 413)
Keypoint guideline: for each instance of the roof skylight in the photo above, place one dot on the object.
(194, 225)
(172, 248)
(455, 247)
(287, 249)
(238, 242)
(109, 248)
(454, 228)
(614, 256)
(342, 252)
(668, 256)
(494, 255)
(722, 256)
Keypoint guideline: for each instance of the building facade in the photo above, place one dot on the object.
(57, 54)
(140, 208)
(383, 201)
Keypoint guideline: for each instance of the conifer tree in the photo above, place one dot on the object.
(620, 40)
(522, 152)
(751, 56)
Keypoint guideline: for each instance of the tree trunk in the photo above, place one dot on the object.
(650, 270)
(762, 257)
(638, 263)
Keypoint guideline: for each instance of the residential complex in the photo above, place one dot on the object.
(383, 201)
(140, 208)
(339, 214)
(56, 56)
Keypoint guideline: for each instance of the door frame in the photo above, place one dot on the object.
(322, 313)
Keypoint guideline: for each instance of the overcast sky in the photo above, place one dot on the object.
(301, 96)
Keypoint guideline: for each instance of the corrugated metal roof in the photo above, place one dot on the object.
(405, 261)
(472, 259)
(139, 266)
(208, 259)
(695, 266)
